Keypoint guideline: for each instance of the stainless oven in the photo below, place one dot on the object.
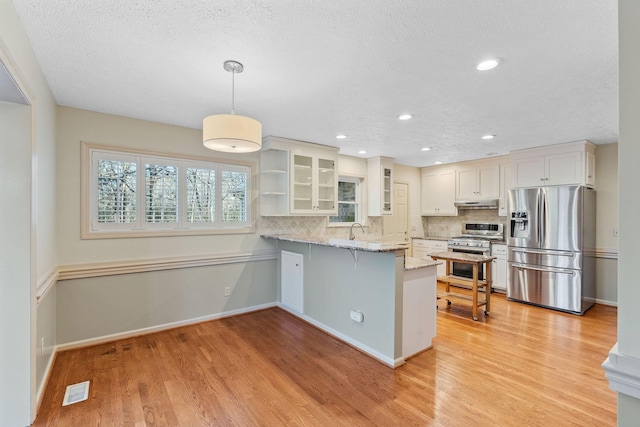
(466, 270)
(475, 239)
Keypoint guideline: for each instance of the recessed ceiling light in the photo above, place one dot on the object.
(362, 152)
(438, 163)
(425, 149)
(488, 64)
(405, 116)
(488, 136)
(341, 136)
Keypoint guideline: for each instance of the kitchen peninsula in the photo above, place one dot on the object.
(367, 294)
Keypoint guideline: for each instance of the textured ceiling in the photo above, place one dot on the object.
(317, 68)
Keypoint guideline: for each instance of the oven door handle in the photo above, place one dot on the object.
(541, 252)
(546, 270)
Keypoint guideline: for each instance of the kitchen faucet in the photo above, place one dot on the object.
(351, 235)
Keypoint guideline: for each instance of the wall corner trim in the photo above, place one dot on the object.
(623, 372)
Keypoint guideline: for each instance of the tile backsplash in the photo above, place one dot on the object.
(315, 226)
(450, 226)
(433, 226)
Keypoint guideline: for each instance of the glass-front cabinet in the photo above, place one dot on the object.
(380, 186)
(298, 178)
(314, 186)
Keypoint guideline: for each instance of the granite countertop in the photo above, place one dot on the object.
(493, 242)
(411, 263)
(463, 257)
(361, 245)
(433, 238)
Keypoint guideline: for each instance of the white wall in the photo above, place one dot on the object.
(38, 169)
(75, 126)
(629, 177)
(15, 264)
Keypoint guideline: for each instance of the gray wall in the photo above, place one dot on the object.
(101, 306)
(334, 284)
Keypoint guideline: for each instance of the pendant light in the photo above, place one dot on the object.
(229, 132)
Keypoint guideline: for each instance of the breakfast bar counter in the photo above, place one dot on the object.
(473, 284)
(366, 293)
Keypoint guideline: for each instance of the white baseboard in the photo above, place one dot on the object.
(342, 337)
(45, 378)
(158, 328)
(605, 302)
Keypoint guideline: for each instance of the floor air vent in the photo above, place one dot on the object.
(76, 393)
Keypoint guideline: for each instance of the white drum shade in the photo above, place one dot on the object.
(231, 133)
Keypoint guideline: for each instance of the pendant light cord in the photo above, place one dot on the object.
(233, 91)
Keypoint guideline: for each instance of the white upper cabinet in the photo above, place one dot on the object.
(314, 187)
(562, 164)
(439, 192)
(274, 182)
(380, 177)
(298, 178)
(505, 185)
(478, 181)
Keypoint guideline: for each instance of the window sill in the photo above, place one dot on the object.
(122, 234)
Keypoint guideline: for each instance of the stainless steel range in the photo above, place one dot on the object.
(475, 239)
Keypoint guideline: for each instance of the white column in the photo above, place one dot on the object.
(623, 364)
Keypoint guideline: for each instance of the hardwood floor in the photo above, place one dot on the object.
(523, 365)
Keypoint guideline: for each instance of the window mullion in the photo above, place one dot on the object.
(182, 194)
(218, 192)
(141, 199)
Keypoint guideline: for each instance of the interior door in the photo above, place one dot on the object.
(396, 227)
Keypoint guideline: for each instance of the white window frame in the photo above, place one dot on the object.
(360, 201)
(92, 229)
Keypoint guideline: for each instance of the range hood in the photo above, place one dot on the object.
(477, 204)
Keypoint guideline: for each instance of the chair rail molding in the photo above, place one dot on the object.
(81, 271)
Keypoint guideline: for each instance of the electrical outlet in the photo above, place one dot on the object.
(356, 316)
(227, 291)
(615, 231)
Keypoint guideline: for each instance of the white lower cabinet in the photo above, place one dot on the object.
(291, 281)
(499, 268)
(422, 248)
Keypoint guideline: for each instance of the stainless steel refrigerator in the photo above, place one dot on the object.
(551, 242)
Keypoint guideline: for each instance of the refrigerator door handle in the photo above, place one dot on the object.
(546, 270)
(543, 216)
(543, 252)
